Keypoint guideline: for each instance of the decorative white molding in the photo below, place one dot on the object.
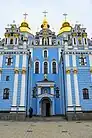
(74, 60)
(23, 84)
(39, 90)
(22, 97)
(90, 60)
(52, 90)
(67, 60)
(77, 100)
(14, 101)
(44, 84)
(69, 91)
(45, 95)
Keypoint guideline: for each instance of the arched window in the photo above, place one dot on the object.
(6, 93)
(45, 68)
(74, 41)
(11, 41)
(85, 93)
(79, 41)
(85, 41)
(45, 53)
(36, 67)
(6, 41)
(42, 41)
(54, 67)
(15, 40)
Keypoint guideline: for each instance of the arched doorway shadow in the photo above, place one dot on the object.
(46, 106)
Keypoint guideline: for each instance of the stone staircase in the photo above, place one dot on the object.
(48, 119)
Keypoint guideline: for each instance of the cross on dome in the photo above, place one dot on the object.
(65, 15)
(45, 12)
(25, 16)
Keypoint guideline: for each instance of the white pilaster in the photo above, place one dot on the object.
(23, 84)
(14, 101)
(77, 100)
(39, 90)
(50, 43)
(1, 62)
(52, 90)
(40, 40)
(68, 83)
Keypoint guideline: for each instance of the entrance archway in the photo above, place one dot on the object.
(45, 107)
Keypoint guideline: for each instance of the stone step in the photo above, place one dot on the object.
(37, 118)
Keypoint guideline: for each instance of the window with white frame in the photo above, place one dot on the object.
(82, 60)
(6, 93)
(45, 53)
(37, 67)
(45, 67)
(9, 60)
(54, 67)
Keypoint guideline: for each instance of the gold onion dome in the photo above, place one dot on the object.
(66, 27)
(45, 24)
(24, 27)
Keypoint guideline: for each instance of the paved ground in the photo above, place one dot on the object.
(46, 129)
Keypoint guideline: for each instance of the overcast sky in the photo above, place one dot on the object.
(77, 10)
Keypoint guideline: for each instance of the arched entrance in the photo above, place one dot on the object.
(45, 107)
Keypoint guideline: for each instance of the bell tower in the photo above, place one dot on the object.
(12, 34)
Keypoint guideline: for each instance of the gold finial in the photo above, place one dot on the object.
(45, 12)
(65, 15)
(25, 16)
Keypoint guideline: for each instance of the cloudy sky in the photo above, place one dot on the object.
(77, 10)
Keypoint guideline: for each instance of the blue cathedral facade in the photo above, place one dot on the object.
(50, 73)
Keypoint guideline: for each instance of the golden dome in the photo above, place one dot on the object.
(66, 27)
(45, 24)
(24, 27)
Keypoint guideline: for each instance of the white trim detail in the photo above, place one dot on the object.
(22, 98)
(74, 60)
(39, 90)
(23, 84)
(39, 65)
(43, 67)
(24, 61)
(69, 91)
(52, 90)
(14, 102)
(77, 100)
(67, 60)
(90, 60)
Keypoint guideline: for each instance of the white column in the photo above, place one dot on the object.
(39, 90)
(23, 84)
(77, 99)
(50, 42)
(1, 62)
(38, 107)
(40, 40)
(52, 90)
(14, 101)
(68, 81)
